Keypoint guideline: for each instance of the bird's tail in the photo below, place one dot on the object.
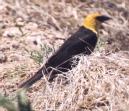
(38, 75)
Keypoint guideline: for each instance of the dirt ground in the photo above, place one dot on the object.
(31, 30)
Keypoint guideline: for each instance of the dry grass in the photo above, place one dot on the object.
(98, 83)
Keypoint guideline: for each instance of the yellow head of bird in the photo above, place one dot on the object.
(93, 21)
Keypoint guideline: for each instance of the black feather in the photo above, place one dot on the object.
(83, 41)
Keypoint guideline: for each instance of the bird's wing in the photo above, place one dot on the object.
(76, 44)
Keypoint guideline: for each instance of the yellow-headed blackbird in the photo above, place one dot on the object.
(83, 41)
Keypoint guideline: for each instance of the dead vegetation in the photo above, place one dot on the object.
(30, 29)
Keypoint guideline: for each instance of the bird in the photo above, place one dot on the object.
(83, 41)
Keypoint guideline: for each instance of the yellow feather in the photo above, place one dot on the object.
(90, 22)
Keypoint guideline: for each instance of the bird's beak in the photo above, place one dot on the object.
(103, 18)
